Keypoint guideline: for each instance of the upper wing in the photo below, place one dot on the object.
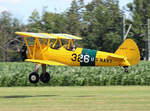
(53, 63)
(68, 36)
(39, 35)
(48, 36)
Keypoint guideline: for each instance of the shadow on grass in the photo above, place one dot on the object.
(30, 96)
(84, 96)
(26, 96)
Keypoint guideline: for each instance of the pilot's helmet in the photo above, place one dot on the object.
(74, 46)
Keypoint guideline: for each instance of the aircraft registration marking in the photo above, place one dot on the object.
(88, 58)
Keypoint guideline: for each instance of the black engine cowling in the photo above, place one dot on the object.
(23, 52)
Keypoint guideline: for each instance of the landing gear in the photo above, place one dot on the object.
(45, 77)
(126, 69)
(34, 77)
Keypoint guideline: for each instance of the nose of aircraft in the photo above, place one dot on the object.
(18, 50)
(22, 52)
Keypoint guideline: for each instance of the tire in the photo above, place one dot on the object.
(126, 70)
(45, 77)
(34, 77)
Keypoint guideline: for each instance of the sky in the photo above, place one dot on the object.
(22, 9)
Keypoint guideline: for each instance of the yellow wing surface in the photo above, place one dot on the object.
(45, 62)
(48, 36)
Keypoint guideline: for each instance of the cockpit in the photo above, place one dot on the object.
(59, 43)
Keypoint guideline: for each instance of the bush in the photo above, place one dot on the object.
(16, 74)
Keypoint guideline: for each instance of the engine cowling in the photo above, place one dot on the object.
(23, 52)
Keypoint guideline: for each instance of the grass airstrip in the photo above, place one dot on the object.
(94, 98)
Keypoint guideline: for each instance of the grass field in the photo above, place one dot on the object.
(112, 98)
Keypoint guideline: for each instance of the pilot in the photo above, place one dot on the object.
(73, 48)
(65, 46)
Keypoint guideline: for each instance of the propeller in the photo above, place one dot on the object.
(22, 51)
(14, 45)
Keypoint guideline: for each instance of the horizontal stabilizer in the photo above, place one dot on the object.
(117, 57)
(53, 63)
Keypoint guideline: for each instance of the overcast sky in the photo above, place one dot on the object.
(22, 9)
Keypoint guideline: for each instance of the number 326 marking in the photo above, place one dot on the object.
(81, 58)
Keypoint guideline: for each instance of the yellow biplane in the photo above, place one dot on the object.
(59, 49)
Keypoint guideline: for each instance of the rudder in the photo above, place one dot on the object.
(130, 50)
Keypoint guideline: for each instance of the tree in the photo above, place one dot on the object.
(7, 35)
(34, 22)
(48, 22)
(140, 11)
(104, 25)
(73, 18)
(53, 23)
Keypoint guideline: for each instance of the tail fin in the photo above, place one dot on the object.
(130, 50)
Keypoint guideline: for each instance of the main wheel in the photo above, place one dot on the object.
(34, 77)
(45, 77)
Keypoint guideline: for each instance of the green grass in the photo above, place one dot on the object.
(112, 98)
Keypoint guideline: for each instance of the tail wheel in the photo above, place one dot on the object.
(34, 77)
(126, 69)
(45, 77)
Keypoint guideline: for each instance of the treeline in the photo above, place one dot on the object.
(98, 23)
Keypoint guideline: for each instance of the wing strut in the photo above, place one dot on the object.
(27, 46)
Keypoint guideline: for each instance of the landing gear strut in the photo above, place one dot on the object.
(44, 77)
(126, 69)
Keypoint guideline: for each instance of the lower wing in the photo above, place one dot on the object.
(53, 63)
